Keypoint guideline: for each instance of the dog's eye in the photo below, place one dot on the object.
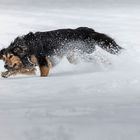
(10, 56)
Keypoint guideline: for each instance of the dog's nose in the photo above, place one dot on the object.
(6, 66)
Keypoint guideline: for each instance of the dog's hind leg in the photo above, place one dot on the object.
(72, 60)
(73, 57)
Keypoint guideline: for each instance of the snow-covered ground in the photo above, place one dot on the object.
(92, 101)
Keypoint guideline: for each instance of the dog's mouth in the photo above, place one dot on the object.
(13, 67)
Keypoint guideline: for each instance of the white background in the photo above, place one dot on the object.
(89, 101)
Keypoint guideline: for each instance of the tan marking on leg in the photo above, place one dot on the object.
(44, 70)
(33, 59)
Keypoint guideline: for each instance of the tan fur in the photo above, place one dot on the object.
(12, 60)
(19, 71)
(33, 59)
(44, 70)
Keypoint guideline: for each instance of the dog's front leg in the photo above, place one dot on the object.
(44, 65)
(7, 74)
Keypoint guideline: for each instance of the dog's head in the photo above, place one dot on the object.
(11, 61)
(14, 55)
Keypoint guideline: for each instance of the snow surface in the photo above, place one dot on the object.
(90, 101)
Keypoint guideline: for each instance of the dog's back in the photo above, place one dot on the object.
(52, 42)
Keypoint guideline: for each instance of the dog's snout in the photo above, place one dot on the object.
(6, 66)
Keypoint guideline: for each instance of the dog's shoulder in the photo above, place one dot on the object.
(17, 41)
(29, 36)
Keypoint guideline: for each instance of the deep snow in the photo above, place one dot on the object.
(92, 101)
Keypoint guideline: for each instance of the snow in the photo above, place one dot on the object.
(93, 101)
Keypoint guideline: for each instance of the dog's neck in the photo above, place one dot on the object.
(29, 61)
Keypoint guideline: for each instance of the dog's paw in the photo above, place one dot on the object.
(5, 74)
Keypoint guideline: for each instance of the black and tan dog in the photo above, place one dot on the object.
(42, 49)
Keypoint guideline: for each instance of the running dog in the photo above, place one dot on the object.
(42, 48)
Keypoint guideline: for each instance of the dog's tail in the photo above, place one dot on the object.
(106, 43)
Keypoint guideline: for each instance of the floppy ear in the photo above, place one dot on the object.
(2, 53)
(21, 51)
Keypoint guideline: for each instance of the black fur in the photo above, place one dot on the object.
(59, 43)
(2, 52)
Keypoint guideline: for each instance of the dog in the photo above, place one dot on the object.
(44, 49)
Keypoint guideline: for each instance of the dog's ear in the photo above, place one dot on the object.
(21, 51)
(2, 52)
